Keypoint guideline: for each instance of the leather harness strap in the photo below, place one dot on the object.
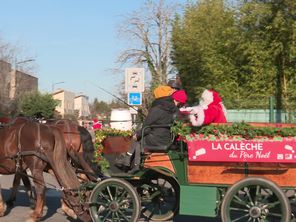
(20, 153)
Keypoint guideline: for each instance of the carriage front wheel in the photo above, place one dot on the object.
(114, 199)
(255, 199)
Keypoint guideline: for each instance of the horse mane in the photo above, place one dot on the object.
(88, 148)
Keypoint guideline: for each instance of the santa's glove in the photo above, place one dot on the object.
(186, 110)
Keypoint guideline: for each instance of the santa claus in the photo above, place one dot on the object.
(209, 110)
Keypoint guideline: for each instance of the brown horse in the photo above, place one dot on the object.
(34, 146)
(80, 149)
(76, 137)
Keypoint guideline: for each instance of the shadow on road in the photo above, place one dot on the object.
(53, 205)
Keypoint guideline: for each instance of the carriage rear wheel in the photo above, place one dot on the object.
(255, 199)
(161, 201)
(114, 199)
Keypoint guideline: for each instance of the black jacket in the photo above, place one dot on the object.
(162, 112)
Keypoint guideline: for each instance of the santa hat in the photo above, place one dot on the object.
(162, 91)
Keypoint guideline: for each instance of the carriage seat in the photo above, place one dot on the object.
(160, 149)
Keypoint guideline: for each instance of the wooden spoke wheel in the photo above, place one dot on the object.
(114, 200)
(161, 199)
(255, 200)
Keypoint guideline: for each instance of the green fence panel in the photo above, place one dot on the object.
(258, 115)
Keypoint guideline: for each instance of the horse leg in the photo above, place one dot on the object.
(29, 190)
(40, 194)
(2, 204)
(15, 185)
(67, 210)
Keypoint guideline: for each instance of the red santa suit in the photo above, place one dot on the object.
(210, 110)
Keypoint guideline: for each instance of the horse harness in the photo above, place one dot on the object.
(18, 156)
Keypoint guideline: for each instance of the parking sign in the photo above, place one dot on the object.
(135, 98)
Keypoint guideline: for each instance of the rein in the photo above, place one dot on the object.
(44, 183)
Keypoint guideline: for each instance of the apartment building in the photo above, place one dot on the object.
(65, 102)
(81, 106)
(13, 84)
(69, 104)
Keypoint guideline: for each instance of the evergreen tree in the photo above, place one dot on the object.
(246, 53)
(38, 105)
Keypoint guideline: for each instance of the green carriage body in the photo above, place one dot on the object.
(202, 188)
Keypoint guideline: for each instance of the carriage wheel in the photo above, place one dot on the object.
(114, 199)
(255, 200)
(162, 202)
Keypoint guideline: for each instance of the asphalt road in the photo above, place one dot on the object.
(52, 211)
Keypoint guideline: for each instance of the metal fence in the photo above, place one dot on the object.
(260, 115)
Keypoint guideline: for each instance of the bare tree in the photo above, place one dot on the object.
(148, 30)
(7, 52)
(10, 54)
(16, 55)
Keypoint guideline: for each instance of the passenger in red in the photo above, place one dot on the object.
(96, 124)
(210, 110)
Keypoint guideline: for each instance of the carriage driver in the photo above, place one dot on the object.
(163, 111)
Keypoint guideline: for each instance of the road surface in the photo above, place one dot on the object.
(52, 211)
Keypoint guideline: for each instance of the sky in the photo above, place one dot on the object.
(74, 43)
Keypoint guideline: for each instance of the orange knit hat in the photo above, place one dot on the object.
(162, 91)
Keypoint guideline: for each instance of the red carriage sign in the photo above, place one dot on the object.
(283, 151)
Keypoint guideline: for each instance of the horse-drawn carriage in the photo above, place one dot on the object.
(242, 178)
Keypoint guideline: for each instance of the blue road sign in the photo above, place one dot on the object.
(135, 98)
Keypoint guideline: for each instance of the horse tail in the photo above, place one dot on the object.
(67, 176)
(88, 148)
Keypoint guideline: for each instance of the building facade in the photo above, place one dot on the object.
(21, 83)
(13, 84)
(81, 106)
(65, 102)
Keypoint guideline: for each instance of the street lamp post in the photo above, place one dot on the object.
(24, 61)
(56, 83)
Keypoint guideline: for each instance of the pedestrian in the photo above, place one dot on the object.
(175, 83)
